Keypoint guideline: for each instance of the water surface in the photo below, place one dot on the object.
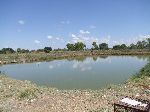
(81, 73)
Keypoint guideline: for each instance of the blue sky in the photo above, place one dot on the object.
(34, 24)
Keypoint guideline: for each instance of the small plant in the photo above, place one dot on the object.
(27, 93)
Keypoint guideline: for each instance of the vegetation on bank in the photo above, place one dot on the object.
(144, 72)
(80, 46)
(36, 57)
(25, 96)
(8, 55)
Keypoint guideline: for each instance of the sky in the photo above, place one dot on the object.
(34, 24)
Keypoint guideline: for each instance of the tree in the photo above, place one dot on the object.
(148, 43)
(19, 50)
(123, 46)
(70, 47)
(141, 44)
(144, 43)
(103, 46)
(24, 51)
(7, 50)
(79, 46)
(95, 46)
(133, 46)
(32, 51)
(116, 47)
(94, 58)
(47, 49)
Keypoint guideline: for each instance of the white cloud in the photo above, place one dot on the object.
(105, 39)
(86, 68)
(76, 39)
(49, 37)
(88, 39)
(22, 22)
(94, 39)
(58, 64)
(37, 41)
(115, 42)
(51, 66)
(83, 66)
(38, 63)
(57, 38)
(133, 40)
(65, 22)
(73, 35)
(92, 27)
(84, 32)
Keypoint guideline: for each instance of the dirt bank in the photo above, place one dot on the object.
(23, 96)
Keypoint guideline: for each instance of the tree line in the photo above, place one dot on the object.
(144, 44)
(80, 46)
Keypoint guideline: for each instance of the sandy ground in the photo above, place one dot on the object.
(23, 96)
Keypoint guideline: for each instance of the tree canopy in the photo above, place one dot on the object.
(95, 46)
(103, 46)
(47, 49)
(7, 50)
(19, 50)
(76, 47)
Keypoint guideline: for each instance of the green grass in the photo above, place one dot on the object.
(28, 93)
(141, 75)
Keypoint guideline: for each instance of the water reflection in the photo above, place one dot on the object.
(82, 65)
(81, 59)
(80, 73)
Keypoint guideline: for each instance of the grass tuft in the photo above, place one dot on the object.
(27, 93)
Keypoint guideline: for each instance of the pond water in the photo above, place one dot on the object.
(80, 73)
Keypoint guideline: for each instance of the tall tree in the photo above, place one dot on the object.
(47, 49)
(148, 43)
(79, 46)
(133, 46)
(116, 47)
(19, 50)
(95, 46)
(103, 46)
(7, 50)
(70, 47)
(141, 44)
(123, 46)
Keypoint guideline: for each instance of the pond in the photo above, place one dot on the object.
(79, 73)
